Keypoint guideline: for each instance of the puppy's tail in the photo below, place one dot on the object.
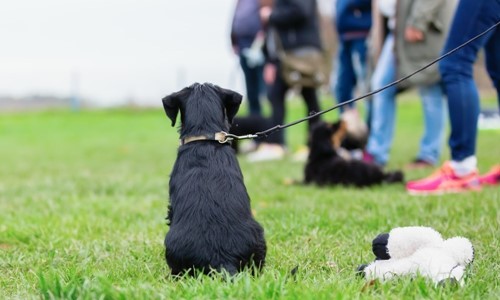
(394, 177)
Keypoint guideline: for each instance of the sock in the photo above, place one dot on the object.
(465, 166)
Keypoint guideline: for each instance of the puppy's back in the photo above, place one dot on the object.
(212, 226)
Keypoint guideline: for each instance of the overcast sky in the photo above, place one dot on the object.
(116, 49)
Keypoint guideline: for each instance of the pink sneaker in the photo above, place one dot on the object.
(492, 177)
(446, 167)
(443, 181)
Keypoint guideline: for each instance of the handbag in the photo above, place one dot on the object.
(303, 66)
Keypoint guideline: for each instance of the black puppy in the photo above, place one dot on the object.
(211, 223)
(326, 167)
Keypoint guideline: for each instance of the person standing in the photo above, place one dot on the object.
(246, 30)
(353, 20)
(417, 31)
(461, 174)
(296, 23)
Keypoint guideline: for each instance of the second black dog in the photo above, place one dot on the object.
(211, 223)
(326, 167)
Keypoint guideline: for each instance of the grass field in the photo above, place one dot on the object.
(83, 200)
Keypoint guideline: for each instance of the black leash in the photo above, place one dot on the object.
(280, 127)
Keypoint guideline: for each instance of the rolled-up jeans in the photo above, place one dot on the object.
(471, 18)
(384, 111)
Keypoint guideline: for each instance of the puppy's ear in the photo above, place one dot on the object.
(172, 104)
(339, 133)
(231, 100)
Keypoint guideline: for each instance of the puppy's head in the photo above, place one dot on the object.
(204, 108)
(356, 130)
(326, 137)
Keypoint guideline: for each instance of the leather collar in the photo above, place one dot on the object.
(220, 137)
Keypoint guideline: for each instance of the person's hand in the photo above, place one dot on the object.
(264, 13)
(413, 34)
(269, 73)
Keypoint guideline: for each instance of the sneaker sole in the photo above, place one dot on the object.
(443, 192)
(489, 181)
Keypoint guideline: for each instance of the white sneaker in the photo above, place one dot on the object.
(301, 154)
(247, 147)
(267, 152)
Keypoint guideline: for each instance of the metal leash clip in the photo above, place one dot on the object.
(231, 137)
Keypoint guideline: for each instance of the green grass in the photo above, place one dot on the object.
(83, 198)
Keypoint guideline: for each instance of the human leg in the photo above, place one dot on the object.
(359, 58)
(433, 104)
(360, 66)
(383, 105)
(253, 80)
(312, 104)
(346, 77)
(272, 147)
(492, 55)
(276, 96)
(471, 18)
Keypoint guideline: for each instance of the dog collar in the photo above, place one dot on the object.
(221, 137)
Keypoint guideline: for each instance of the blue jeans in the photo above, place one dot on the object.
(471, 18)
(384, 112)
(255, 86)
(351, 69)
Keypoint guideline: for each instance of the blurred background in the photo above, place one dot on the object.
(112, 52)
(97, 53)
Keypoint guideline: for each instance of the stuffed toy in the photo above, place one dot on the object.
(419, 251)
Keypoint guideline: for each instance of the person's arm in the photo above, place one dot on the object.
(423, 13)
(293, 13)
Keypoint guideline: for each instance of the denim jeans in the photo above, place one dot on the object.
(384, 111)
(351, 70)
(255, 86)
(471, 18)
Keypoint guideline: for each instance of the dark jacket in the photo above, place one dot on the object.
(296, 22)
(353, 18)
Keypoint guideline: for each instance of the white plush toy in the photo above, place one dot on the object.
(419, 251)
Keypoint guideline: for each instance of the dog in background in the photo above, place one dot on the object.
(211, 223)
(326, 166)
(356, 133)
